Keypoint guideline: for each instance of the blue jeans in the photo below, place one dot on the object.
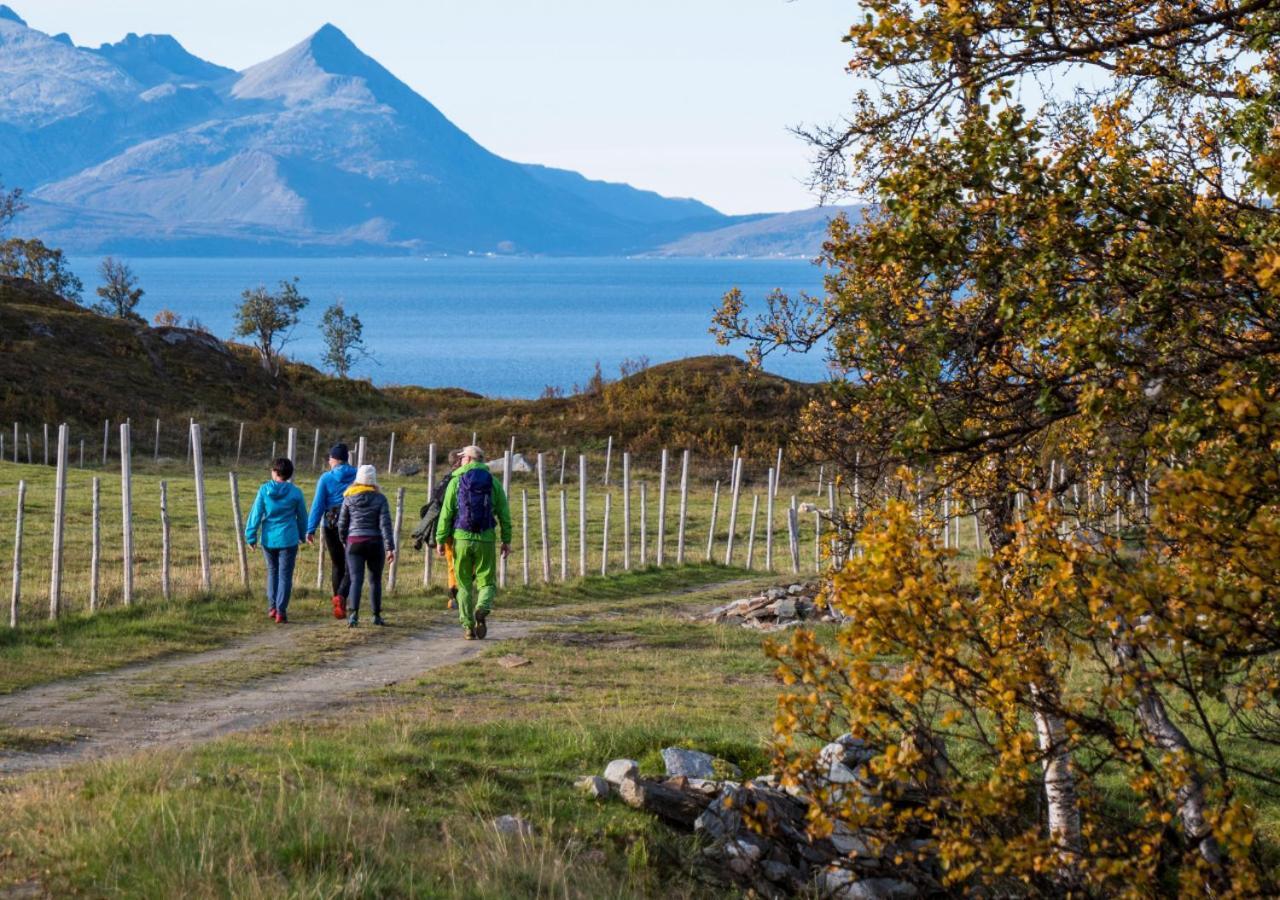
(279, 576)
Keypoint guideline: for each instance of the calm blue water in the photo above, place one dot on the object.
(503, 327)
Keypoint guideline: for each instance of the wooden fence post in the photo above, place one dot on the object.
(662, 510)
(242, 554)
(626, 511)
(582, 516)
(733, 512)
(239, 445)
(291, 451)
(320, 560)
(95, 544)
(106, 439)
(166, 545)
(564, 455)
(398, 526)
(59, 522)
(155, 450)
(46, 443)
(126, 515)
(81, 452)
(360, 448)
(391, 454)
(15, 443)
(16, 596)
(684, 507)
(608, 460)
(751, 538)
(564, 537)
(202, 521)
(768, 521)
(191, 422)
(711, 531)
(524, 534)
(604, 539)
(817, 542)
(273, 452)
(542, 517)
(777, 473)
(315, 451)
(30, 458)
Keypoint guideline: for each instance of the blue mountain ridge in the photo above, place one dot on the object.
(146, 148)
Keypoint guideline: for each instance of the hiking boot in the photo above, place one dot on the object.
(377, 620)
(481, 628)
(453, 599)
(339, 606)
(281, 618)
(271, 613)
(470, 634)
(353, 621)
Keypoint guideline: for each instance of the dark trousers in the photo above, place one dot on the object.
(359, 556)
(339, 574)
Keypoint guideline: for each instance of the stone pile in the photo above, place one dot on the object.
(777, 858)
(776, 609)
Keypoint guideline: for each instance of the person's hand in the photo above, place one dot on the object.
(506, 550)
(311, 538)
(440, 550)
(391, 556)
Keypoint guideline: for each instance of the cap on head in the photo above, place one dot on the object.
(367, 475)
(471, 451)
(339, 452)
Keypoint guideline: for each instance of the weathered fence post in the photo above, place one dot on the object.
(320, 561)
(59, 521)
(291, 451)
(239, 445)
(604, 539)
(16, 596)
(15, 443)
(524, 534)
(768, 521)
(81, 452)
(95, 544)
(542, 517)
(711, 530)
(106, 439)
(46, 443)
(662, 510)
(582, 516)
(360, 452)
(684, 507)
(166, 546)
(817, 542)
(273, 452)
(751, 538)
(733, 512)
(202, 521)
(30, 458)
(242, 553)
(564, 537)
(191, 422)
(391, 454)
(564, 456)
(126, 515)
(608, 460)
(399, 525)
(626, 511)
(155, 450)
(777, 473)
(315, 451)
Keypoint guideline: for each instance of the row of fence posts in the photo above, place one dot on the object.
(196, 458)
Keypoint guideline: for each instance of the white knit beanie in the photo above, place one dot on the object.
(367, 475)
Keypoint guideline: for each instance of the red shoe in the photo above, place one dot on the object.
(281, 618)
(274, 614)
(339, 606)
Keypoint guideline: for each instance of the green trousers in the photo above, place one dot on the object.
(475, 564)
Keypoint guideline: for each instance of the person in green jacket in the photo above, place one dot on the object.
(475, 510)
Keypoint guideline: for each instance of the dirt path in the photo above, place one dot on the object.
(134, 708)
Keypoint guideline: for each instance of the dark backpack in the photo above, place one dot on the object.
(475, 501)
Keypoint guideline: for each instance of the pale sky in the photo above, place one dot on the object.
(691, 98)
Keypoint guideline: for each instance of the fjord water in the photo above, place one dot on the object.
(500, 326)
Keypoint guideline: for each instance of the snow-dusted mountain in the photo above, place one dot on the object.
(140, 146)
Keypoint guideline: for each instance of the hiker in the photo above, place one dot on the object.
(280, 514)
(475, 506)
(325, 506)
(364, 525)
(425, 533)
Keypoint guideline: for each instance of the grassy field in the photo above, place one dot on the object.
(398, 800)
(411, 568)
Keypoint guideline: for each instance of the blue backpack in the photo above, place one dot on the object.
(475, 501)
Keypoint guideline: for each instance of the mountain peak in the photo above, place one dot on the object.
(154, 59)
(7, 13)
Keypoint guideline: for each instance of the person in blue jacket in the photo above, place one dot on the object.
(326, 506)
(280, 514)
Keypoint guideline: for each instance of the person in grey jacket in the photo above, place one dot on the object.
(364, 525)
